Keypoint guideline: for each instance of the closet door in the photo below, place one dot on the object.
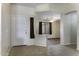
(72, 27)
(73, 17)
(21, 29)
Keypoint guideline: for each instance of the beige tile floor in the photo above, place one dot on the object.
(53, 49)
(28, 51)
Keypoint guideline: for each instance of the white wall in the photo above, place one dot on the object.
(21, 13)
(65, 25)
(5, 42)
(0, 33)
(62, 36)
(78, 31)
(64, 30)
(42, 39)
(60, 8)
(77, 26)
(64, 8)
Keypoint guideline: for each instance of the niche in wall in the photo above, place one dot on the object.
(32, 27)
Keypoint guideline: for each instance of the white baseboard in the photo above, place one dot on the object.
(66, 43)
(43, 45)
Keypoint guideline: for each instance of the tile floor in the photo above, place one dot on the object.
(53, 49)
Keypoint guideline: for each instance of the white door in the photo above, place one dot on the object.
(71, 23)
(21, 30)
(73, 17)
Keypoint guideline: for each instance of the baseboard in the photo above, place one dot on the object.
(30, 45)
(66, 43)
(22, 45)
(19, 45)
(53, 38)
(43, 45)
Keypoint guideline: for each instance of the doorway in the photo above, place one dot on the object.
(55, 38)
(71, 18)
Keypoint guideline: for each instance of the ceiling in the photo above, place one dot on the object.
(29, 4)
(36, 4)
